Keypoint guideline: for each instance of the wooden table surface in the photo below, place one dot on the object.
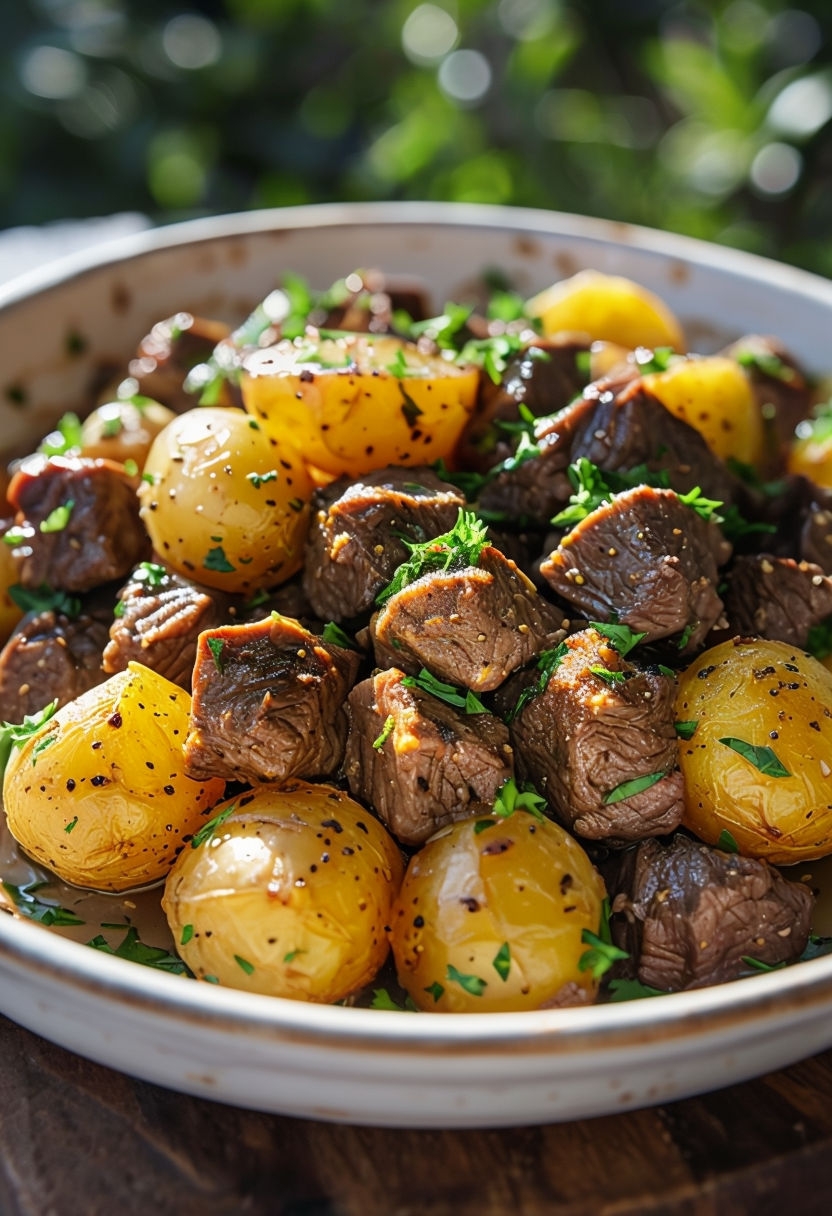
(77, 1139)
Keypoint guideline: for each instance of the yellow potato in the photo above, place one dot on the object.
(491, 914)
(607, 308)
(288, 896)
(811, 451)
(758, 764)
(356, 403)
(10, 614)
(223, 503)
(99, 794)
(124, 430)
(715, 396)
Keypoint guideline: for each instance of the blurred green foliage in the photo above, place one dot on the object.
(711, 119)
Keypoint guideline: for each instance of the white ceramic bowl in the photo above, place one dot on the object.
(359, 1065)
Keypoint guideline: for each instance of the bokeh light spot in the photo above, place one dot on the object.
(775, 168)
(803, 106)
(465, 76)
(191, 41)
(429, 33)
(53, 73)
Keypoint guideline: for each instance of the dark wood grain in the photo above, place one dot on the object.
(77, 1139)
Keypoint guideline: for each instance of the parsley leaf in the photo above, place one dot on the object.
(260, 479)
(383, 1000)
(453, 551)
(151, 573)
(609, 677)
(686, 730)
(207, 830)
(215, 559)
(726, 842)
(628, 789)
(135, 950)
(334, 635)
(38, 910)
(58, 519)
(216, 646)
(435, 990)
(501, 961)
(590, 491)
(510, 799)
(763, 758)
(601, 953)
(621, 636)
(472, 984)
(631, 990)
(547, 663)
(448, 693)
(658, 360)
(704, 507)
(45, 600)
(15, 735)
(67, 437)
(767, 364)
(386, 731)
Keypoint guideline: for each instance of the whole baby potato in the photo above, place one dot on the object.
(491, 916)
(224, 504)
(756, 750)
(288, 895)
(99, 794)
(124, 429)
(607, 308)
(356, 403)
(715, 396)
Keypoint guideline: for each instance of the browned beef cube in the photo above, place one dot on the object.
(644, 559)
(590, 733)
(777, 598)
(544, 377)
(358, 534)
(815, 532)
(418, 761)
(167, 354)
(369, 303)
(472, 626)
(689, 914)
(159, 620)
(616, 427)
(268, 703)
(782, 390)
(53, 655)
(79, 521)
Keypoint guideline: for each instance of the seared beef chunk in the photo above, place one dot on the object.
(167, 354)
(52, 655)
(782, 390)
(358, 534)
(79, 520)
(472, 626)
(816, 527)
(617, 431)
(598, 725)
(644, 559)
(418, 761)
(777, 598)
(689, 914)
(370, 302)
(544, 377)
(268, 703)
(160, 618)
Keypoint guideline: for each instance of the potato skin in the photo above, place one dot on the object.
(607, 308)
(341, 404)
(122, 430)
(10, 613)
(223, 504)
(108, 804)
(770, 695)
(810, 454)
(714, 395)
(503, 905)
(289, 896)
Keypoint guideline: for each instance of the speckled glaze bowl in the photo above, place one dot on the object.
(356, 1065)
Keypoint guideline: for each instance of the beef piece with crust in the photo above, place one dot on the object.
(359, 531)
(586, 735)
(433, 765)
(777, 598)
(160, 618)
(80, 522)
(167, 354)
(268, 703)
(617, 429)
(54, 655)
(472, 626)
(782, 390)
(644, 559)
(688, 914)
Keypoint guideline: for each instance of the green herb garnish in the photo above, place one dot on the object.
(45, 600)
(609, 677)
(628, 789)
(15, 734)
(216, 646)
(704, 507)
(547, 663)
(383, 1000)
(726, 842)
(386, 732)
(631, 990)
(472, 984)
(409, 407)
(763, 758)
(151, 573)
(686, 730)
(622, 637)
(58, 519)
(291, 955)
(449, 693)
(501, 961)
(435, 990)
(601, 953)
(590, 491)
(215, 559)
(207, 830)
(334, 635)
(767, 364)
(510, 799)
(67, 437)
(35, 909)
(134, 950)
(453, 551)
(244, 964)
(187, 934)
(819, 641)
(658, 360)
(260, 479)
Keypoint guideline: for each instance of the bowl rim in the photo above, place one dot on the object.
(24, 946)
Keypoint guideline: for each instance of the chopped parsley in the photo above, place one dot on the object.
(510, 799)
(763, 758)
(399, 366)
(686, 730)
(386, 732)
(631, 990)
(435, 990)
(383, 1000)
(151, 573)
(501, 961)
(15, 735)
(260, 479)
(58, 519)
(818, 643)
(602, 954)
(67, 437)
(757, 964)
(685, 637)
(590, 491)
(334, 635)
(216, 646)
(472, 984)
(454, 550)
(409, 408)
(291, 955)
(628, 789)
(135, 950)
(767, 364)
(215, 559)
(547, 663)
(726, 842)
(609, 677)
(244, 964)
(45, 600)
(622, 637)
(71, 825)
(187, 934)
(650, 361)
(36, 909)
(706, 508)
(449, 693)
(207, 830)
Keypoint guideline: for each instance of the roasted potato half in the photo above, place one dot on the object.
(756, 750)
(355, 403)
(607, 308)
(288, 895)
(99, 794)
(491, 916)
